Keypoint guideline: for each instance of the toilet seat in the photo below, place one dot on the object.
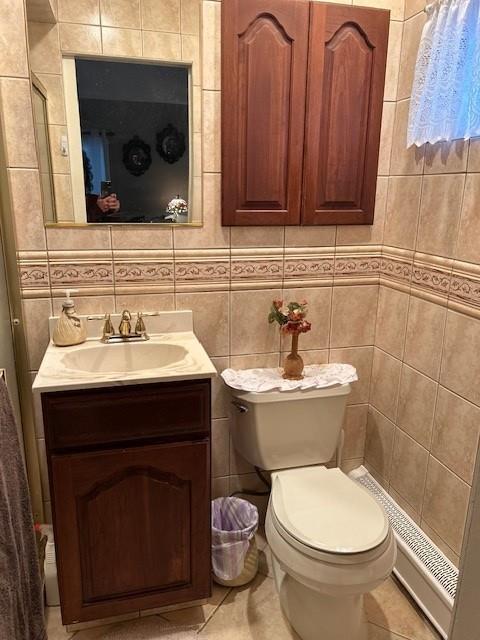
(325, 514)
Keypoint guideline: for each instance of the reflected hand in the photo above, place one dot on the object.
(110, 204)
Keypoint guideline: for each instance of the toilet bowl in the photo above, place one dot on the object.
(331, 542)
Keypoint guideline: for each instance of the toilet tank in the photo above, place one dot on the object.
(279, 430)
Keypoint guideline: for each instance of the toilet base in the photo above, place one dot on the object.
(316, 616)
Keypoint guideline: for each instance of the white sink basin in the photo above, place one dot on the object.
(124, 357)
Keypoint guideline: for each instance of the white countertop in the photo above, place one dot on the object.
(165, 328)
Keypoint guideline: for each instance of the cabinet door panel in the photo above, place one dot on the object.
(132, 528)
(263, 96)
(347, 58)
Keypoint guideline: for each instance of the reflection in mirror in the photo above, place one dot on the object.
(132, 158)
(43, 148)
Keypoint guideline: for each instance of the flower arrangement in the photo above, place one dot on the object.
(292, 322)
(176, 207)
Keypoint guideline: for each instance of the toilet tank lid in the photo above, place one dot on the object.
(326, 510)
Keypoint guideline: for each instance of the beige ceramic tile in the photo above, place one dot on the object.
(385, 383)
(440, 213)
(445, 505)
(238, 464)
(16, 115)
(147, 628)
(441, 544)
(80, 38)
(319, 308)
(402, 211)
(87, 305)
(211, 233)
(26, 199)
(366, 233)
(161, 16)
(409, 469)
(55, 99)
(393, 60)
(388, 606)
(210, 43)
(211, 131)
(455, 433)
(391, 321)
(461, 365)
(354, 311)
(425, 328)
(210, 318)
(13, 50)
(152, 237)
(120, 13)
(190, 16)
(361, 358)
(250, 612)
(404, 161)
(121, 42)
(394, 6)
(446, 157)
(412, 31)
(310, 237)
(416, 405)
(386, 138)
(379, 633)
(78, 238)
(220, 447)
(191, 53)
(311, 356)
(379, 442)
(81, 11)
(251, 332)
(44, 46)
(468, 243)
(403, 504)
(257, 237)
(414, 6)
(55, 628)
(474, 155)
(220, 394)
(63, 196)
(162, 46)
(220, 487)
(255, 361)
(146, 302)
(35, 315)
(192, 616)
(355, 426)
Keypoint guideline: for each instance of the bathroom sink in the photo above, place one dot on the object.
(124, 357)
(173, 353)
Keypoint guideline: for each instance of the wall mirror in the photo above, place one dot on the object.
(40, 122)
(129, 142)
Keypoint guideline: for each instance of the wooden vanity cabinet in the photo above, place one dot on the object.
(302, 98)
(130, 496)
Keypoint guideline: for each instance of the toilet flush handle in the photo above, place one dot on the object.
(241, 407)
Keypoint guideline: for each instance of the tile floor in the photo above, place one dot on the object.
(253, 613)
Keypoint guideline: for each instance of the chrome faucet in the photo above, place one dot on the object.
(125, 333)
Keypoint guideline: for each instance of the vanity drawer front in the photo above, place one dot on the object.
(88, 417)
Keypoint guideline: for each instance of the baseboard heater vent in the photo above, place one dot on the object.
(421, 567)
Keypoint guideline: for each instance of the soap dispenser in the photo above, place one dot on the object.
(70, 329)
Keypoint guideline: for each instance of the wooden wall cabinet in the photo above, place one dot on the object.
(130, 485)
(302, 98)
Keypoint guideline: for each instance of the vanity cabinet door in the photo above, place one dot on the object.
(132, 528)
(264, 57)
(346, 76)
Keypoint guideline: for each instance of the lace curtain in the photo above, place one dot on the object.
(445, 102)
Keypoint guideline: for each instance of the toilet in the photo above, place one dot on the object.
(331, 542)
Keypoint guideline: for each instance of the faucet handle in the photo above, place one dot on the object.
(126, 315)
(108, 329)
(140, 325)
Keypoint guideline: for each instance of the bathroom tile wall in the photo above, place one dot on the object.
(424, 416)
(418, 262)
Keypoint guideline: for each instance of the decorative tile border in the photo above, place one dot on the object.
(432, 278)
(33, 275)
(306, 268)
(396, 268)
(202, 271)
(142, 272)
(269, 269)
(81, 274)
(465, 289)
(350, 265)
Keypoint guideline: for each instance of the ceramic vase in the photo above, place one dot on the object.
(293, 363)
